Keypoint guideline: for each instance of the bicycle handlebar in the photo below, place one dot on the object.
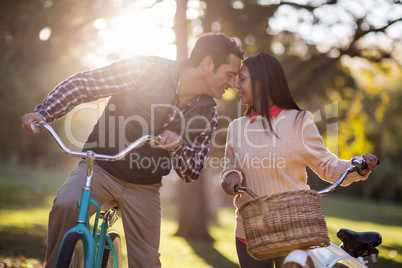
(90, 153)
(357, 162)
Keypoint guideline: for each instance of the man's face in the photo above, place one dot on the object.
(223, 78)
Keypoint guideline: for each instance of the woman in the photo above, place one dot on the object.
(268, 149)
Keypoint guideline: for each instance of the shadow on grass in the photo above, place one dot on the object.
(364, 211)
(29, 242)
(210, 255)
(394, 249)
(386, 263)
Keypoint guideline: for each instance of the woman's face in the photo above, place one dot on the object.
(244, 87)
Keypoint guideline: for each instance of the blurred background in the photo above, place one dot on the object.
(343, 62)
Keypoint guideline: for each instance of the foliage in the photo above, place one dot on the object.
(316, 69)
(378, 106)
(27, 187)
(319, 70)
(353, 74)
(31, 67)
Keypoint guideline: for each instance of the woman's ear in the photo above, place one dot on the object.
(207, 64)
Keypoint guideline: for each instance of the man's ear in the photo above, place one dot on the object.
(207, 64)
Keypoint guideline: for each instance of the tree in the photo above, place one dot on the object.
(41, 43)
(192, 202)
(317, 75)
(318, 60)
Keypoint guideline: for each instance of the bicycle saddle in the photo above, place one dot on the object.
(359, 244)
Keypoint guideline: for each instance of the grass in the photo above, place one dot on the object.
(362, 216)
(179, 252)
(26, 195)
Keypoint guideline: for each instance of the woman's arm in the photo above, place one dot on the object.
(326, 164)
(230, 175)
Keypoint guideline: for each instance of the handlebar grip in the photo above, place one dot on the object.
(35, 125)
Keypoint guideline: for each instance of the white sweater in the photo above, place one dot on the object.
(273, 164)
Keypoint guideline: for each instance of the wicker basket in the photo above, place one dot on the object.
(276, 224)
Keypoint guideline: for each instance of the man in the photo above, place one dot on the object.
(148, 95)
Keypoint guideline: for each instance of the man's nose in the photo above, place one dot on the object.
(237, 85)
(232, 82)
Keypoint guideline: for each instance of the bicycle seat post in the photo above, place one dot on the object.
(90, 157)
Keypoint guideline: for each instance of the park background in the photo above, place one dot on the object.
(343, 62)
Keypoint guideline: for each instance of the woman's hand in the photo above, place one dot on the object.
(229, 182)
(371, 162)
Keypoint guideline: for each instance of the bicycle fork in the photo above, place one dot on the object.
(82, 228)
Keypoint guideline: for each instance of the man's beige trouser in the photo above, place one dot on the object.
(139, 208)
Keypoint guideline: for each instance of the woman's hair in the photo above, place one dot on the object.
(216, 45)
(268, 80)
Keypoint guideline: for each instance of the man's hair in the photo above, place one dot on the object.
(216, 45)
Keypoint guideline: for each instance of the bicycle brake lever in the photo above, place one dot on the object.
(359, 162)
(155, 140)
(240, 189)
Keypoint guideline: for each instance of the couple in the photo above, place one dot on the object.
(172, 99)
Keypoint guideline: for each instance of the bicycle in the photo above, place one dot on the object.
(80, 247)
(355, 245)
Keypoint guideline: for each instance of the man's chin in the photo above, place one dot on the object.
(218, 97)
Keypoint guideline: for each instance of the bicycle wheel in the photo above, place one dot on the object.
(107, 261)
(309, 264)
(72, 252)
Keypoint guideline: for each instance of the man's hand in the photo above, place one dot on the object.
(27, 120)
(371, 161)
(229, 182)
(168, 140)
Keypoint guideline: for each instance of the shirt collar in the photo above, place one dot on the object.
(273, 111)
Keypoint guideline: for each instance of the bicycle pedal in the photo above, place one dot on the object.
(111, 216)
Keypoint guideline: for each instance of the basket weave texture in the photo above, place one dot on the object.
(274, 225)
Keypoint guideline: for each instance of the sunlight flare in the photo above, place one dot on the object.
(139, 30)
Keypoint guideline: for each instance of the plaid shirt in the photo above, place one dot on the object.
(122, 76)
(189, 160)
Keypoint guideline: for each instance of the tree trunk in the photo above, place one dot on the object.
(191, 197)
(181, 28)
(193, 213)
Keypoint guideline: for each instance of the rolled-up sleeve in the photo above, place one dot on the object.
(120, 76)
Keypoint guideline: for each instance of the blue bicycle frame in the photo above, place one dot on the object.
(94, 243)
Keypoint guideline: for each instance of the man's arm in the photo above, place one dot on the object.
(88, 86)
(188, 161)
